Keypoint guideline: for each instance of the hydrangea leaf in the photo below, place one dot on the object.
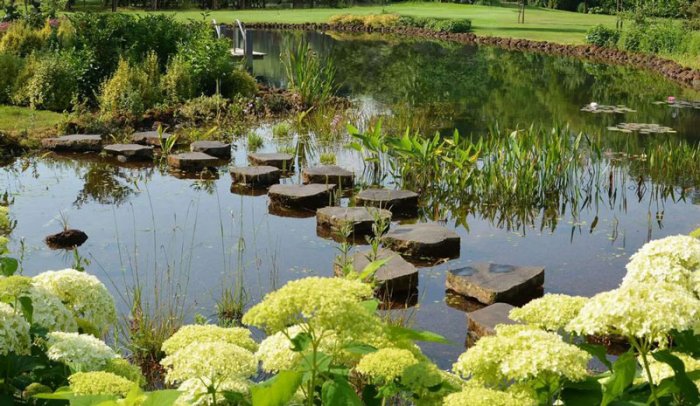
(623, 372)
(685, 385)
(338, 392)
(276, 391)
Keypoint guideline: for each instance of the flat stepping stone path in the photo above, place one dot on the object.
(601, 108)
(149, 138)
(278, 160)
(310, 196)
(192, 161)
(255, 175)
(213, 148)
(360, 218)
(483, 322)
(423, 241)
(491, 283)
(399, 202)
(396, 277)
(74, 143)
(130, 152)
(328, 174)
(642, 128)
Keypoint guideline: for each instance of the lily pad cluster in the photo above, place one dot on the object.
(642, 128)
(601, 108)
(681, 104)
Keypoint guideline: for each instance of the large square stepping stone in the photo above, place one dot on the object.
(423, 241)
(130, 152)
(192, 161)
(255, 175)
(328, 174)
(402, 203)
(483, 322)
(360, 219)
(74, 143)
(149, 138)
(213, 148)
(278, 160)
(491, 283)
(310, 196)
(397, 277)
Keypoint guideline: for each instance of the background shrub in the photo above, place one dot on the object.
(602, 36)
(21, 39)
(122, 95)
(10, 67)
(239, 83)
(178, 82)
(49, 82)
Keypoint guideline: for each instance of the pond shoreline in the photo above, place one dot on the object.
(686, 76)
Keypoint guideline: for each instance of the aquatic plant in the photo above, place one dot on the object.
(309, 75)
(255, 141)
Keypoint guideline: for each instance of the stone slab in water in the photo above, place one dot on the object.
(131, 152)
(74, 143)
(310, 196)
(328, 174)
(483, 322)
(399, 202)
(278, 160)
(491, 283)
(360, 218)
(396, 277)
(423, 241)
(213, 148)
(256, 175)
(192, 161)
(149, 138)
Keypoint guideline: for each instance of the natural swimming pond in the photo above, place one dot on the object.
(142, 218)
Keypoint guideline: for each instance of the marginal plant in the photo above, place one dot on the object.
(310, 76)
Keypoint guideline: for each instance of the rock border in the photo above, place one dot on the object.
(669, 69)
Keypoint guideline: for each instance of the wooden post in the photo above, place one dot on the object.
(248, 50)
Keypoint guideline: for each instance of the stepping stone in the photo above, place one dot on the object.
(360, 218)
(491, 283)
(149, 138)
(399, 202)
(278, 160)
(483, 322)
(74, 143)
(255, 175)
(310, 196)
(192, 161)
(245, 190)
(328, 174)
(130, 152)
(213, 148)
(430, 241)
(396, 277)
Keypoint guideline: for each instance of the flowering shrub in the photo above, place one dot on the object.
(551, 312)
(81, 352)
(209, 333)
(99, 383)
(14, 331)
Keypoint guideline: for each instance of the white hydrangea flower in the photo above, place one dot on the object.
(81, 352)
(186, 335)
(217, 361)
(641, 310)
(660, 370)
(49, 312)
(83, 294)
(550, 312)
(195, 392)
(275, 351)
(14, 331)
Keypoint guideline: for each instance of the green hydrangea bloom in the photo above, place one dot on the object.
(208, 333)
(195, 392)
(275, 352)
(521, 353)
(476, 396)
(551, 312)
(14, 331)
(83, 294)
(3, 245)
(641, 310)
(216, 361)
(386, 365)
(99, 383)
(81, 352)
(123, 368)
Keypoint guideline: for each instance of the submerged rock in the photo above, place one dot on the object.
(491, 283)
(329, 174)
(66, 239)
(74, 143)
(310, 196)
(214, 148)
(423, 241)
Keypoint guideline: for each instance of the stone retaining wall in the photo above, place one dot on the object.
(672, 70)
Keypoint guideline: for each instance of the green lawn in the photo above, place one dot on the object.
(540, 24)
(17, 119)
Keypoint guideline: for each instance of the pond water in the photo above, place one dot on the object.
(144, 221)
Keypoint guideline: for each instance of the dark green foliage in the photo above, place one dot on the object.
(10, 66)
(656, 37)
(602, 36)
(49, 82)
(452, 25)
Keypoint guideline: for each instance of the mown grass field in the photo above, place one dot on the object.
(15, 120)
(540, 24)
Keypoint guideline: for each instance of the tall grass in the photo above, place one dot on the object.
(309, 75)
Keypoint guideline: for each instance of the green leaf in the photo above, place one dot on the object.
(359, 348)
(584, 393)
(372, 268)
(686, 386)
(623, 371)
(695, 233)
(338, 392)
(370, 396)
(27, 308)
(370, 305)
(276, 391)
(8, 266)
(598, 351)
(161, 398)
(301, 342)
(687, 342)
(399, 333)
